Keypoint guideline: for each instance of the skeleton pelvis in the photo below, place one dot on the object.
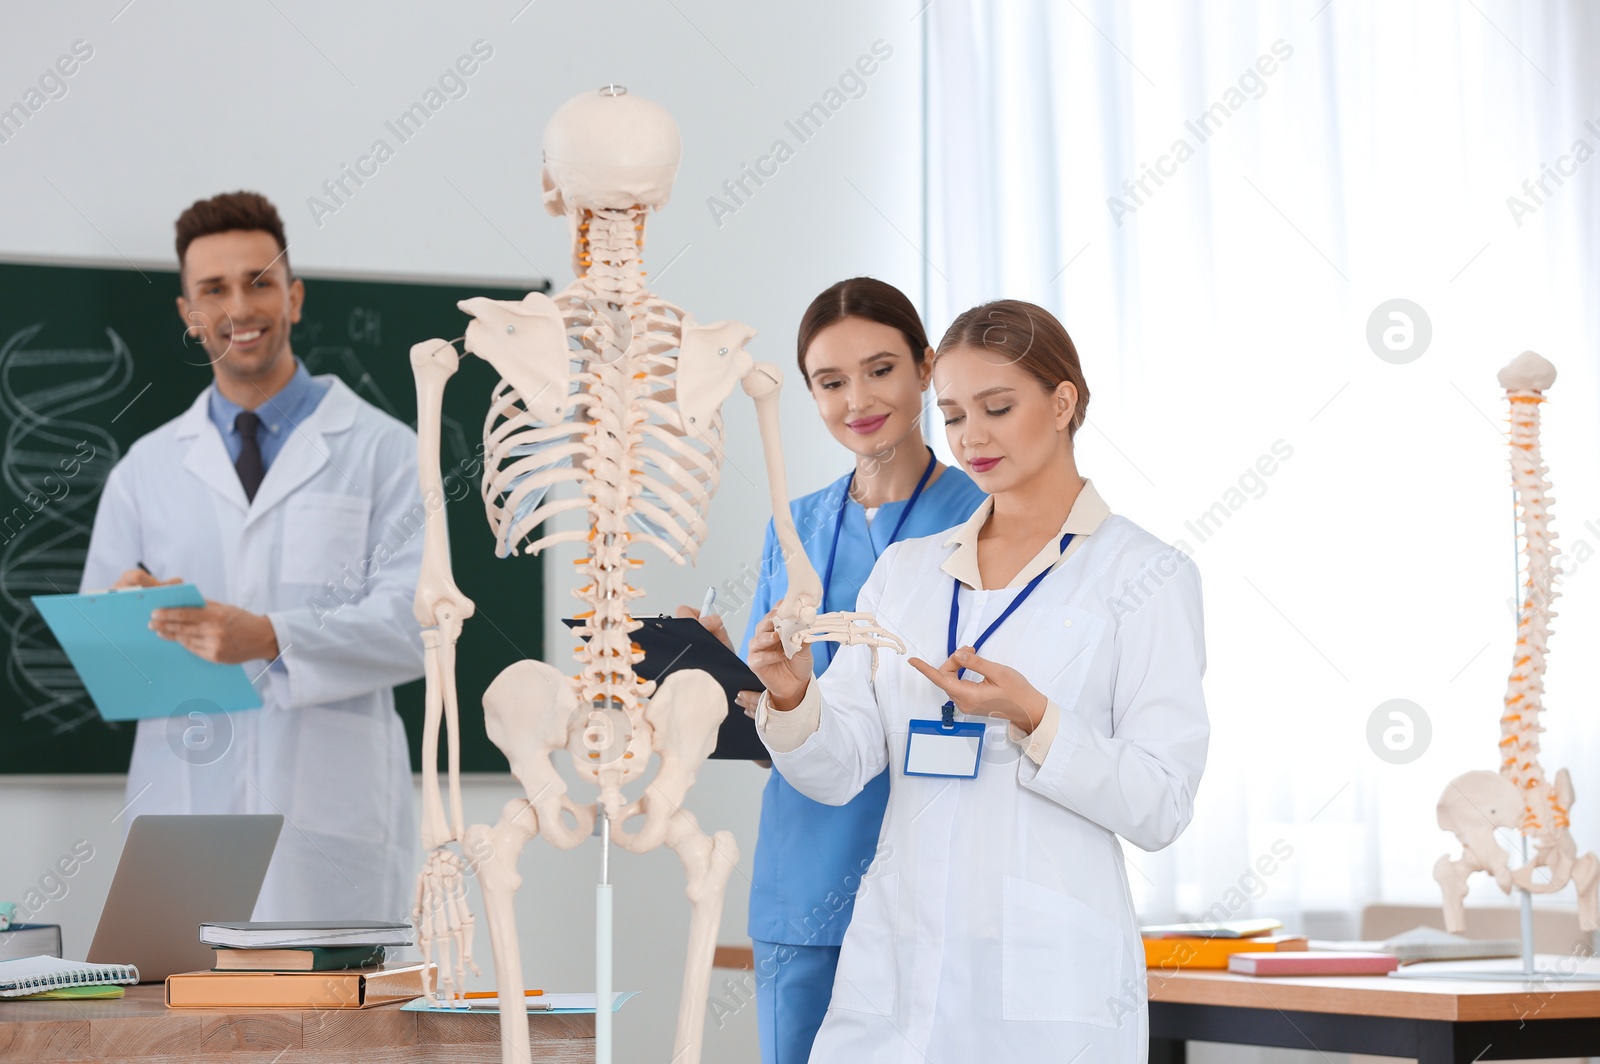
(528, 711)
(683, 717)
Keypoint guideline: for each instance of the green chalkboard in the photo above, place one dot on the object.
(93, 358)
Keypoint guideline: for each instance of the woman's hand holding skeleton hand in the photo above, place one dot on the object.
(786, 678)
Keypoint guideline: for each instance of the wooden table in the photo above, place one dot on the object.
(140, 1028)
(1435, 1021)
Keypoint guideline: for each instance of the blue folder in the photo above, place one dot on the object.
(129, 671)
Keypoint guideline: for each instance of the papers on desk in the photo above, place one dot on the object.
(130, 672)
(561, 1004)
(1428, 944)
(1550, 970)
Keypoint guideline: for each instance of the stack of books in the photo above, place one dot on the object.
(305, 965)
(1172, 947)
(30, 940)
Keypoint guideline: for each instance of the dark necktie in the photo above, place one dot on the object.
(250, 467)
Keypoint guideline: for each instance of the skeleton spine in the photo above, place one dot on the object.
(1524, 702)
(610, 250)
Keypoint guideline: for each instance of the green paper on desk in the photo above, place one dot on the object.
(129, 671)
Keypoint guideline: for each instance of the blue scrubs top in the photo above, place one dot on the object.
(810, 856)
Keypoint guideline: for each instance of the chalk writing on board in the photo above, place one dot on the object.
(53, 466)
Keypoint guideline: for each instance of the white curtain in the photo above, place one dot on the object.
(1301, 165)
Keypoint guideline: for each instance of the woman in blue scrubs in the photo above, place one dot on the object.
(866, 360)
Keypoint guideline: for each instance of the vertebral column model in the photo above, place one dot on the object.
(617, 393)
(1519, 797)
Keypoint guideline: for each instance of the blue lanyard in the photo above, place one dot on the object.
(838, 526)
(947, 712)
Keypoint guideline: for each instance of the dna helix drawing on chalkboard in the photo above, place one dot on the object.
(53, 466)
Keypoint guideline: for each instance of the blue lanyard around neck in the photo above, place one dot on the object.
(947, 712)
(838, 526)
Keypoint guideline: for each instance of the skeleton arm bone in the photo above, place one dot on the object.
(799, 606)
(439, 604)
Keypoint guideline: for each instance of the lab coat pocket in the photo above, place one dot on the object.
(865, 981)
(1058, 649)
(340, 774)
(1060, 960)
(323, 532)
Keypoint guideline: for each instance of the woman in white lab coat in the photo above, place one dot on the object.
(996, 923)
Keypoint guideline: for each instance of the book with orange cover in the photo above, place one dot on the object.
(1169, 954)
(299, 990)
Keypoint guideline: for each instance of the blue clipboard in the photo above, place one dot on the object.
(130, 672)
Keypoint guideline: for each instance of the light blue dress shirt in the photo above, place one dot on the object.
(279, 414)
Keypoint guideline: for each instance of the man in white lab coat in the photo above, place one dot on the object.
(292, 505)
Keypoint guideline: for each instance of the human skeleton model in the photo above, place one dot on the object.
(608, 387)
(1519, 796)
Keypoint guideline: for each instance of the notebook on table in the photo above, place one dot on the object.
(35, 975)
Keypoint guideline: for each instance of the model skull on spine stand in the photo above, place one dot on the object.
(613, 390)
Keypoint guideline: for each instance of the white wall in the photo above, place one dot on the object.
(180, 101)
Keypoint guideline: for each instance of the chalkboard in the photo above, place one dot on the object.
(93, 358)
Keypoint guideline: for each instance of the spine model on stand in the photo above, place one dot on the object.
(1519, 797)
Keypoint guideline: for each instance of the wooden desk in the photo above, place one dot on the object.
(140, 1028)
(1435, 1021)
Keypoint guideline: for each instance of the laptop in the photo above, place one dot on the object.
(175, 873)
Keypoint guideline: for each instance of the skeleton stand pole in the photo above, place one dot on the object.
(1524, 898)
(602, 948)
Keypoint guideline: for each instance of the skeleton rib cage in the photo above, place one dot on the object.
(621, 444)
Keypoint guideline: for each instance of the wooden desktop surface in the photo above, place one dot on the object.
(1544, 998)
(140, 1028)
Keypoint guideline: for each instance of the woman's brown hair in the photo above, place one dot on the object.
(867, 298)
(1027, 336)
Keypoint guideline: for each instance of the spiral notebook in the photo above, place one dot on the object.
(33, 975)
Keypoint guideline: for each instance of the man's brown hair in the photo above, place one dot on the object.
(227, 212)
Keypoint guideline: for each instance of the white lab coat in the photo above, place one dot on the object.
(327, 749)
(996, 922)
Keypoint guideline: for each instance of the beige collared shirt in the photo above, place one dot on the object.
(787, 731)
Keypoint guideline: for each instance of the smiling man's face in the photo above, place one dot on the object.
(239, 302)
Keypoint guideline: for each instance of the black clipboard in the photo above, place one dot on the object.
(674, 643)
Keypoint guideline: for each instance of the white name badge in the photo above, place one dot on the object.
(932, 749)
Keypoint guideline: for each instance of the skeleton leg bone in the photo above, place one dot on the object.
(498, 849)
(707, 862)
